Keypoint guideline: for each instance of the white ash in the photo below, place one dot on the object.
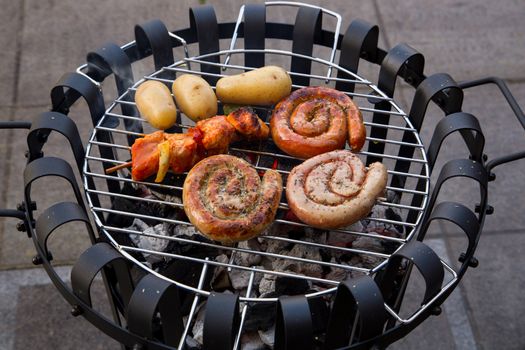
(166, 197)
(341, 238)
(220, 277)
(275, 245)
(241, 278)
(385, 212)
(185, 230)
(192, 343)
(223, 258)
(150, 243)
(301, 251)
(198, 325)
(336, 274)
(267, 284)
(252, 341)
(268, 336)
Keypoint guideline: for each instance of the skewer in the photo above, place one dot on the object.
(118, 167)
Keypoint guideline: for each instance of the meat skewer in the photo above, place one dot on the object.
(155, 153)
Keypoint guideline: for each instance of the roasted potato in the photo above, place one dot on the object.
(155, 104)
(260, 87)
(194, 97)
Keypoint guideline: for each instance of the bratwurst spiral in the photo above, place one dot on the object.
(334, 189)
(315, 120)
(225, 199)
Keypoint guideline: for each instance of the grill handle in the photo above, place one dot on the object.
(20, 212)
(511, 100)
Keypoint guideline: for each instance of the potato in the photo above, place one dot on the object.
(194, 97)
(155, 104)
(260, 87)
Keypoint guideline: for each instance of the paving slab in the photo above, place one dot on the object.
(10, 25)
(33, 312)
(61, 34)
(467, 39)
(494, 290)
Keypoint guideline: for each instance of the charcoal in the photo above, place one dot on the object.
(247, 259)
(221, 280)
(268, 336)
(148, 242)
(239, 278)
(337, 274)
(198, 325)
(342, 239)
(384, 212)
(392, 196)
(276, 246)
(261, 316)
(301, 251)
(267, 284)
(192, 344)
(252, 341)
(317, 236)
(369, 244)
(392, 215)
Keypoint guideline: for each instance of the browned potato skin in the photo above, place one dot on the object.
(194, 97)
(260, 87)
(156, 105)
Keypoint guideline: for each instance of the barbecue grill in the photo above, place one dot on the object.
(294, 286)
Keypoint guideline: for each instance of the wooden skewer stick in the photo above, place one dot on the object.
(118, 167)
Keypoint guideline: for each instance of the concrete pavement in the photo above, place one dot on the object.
(42, 39)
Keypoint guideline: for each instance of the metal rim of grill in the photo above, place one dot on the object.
(182, 67)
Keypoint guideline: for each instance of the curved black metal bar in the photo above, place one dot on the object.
(46, 122)
(80, 85)
(152, 295)
(221, 321)
(203, 23)
(426, 261)
(355, 298)
(293, 325)
(57, 215)
(469, 127)
(465, 219)
(254, 33)
(399, 60)
(48, 166)
(359, 40)
(111, 59)
(91, 262)
(308, 25)
(42, 126)
(467, 168)
(153, 38)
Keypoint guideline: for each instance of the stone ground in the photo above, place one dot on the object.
(468, 39)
